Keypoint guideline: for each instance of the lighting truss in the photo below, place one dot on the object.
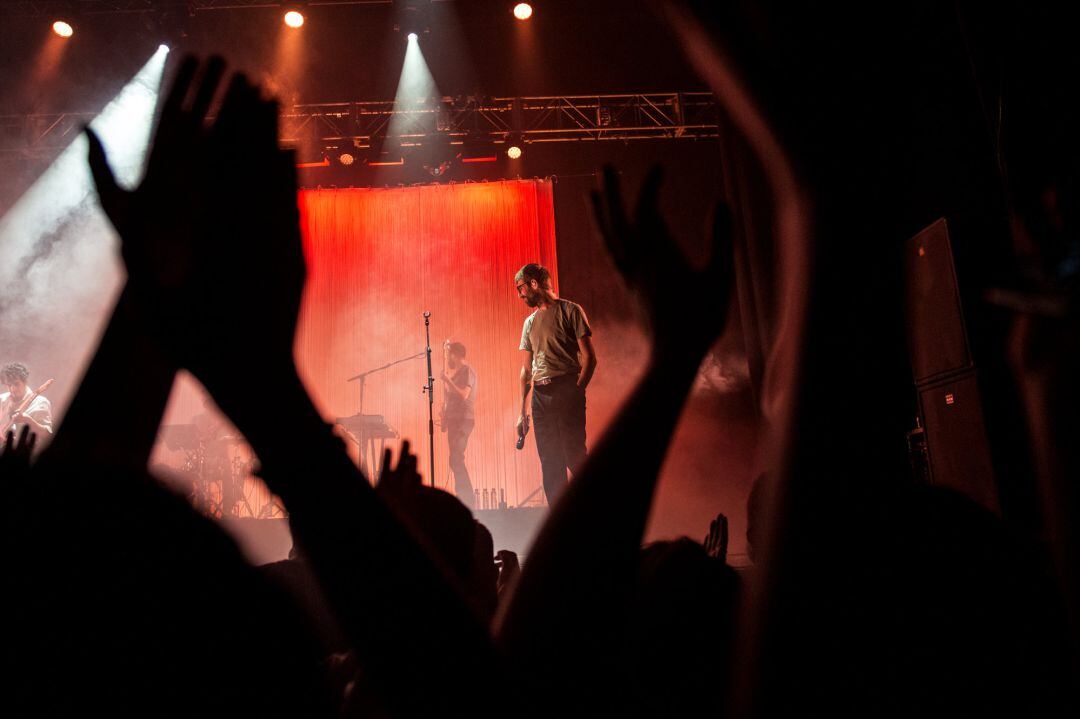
(40, 134)
(563, 118)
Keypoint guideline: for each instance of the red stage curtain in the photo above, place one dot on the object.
(377, 259)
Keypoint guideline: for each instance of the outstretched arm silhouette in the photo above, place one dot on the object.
(578, 579)
(211, 241)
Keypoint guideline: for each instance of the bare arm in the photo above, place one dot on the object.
(522, 425)
(526, 380)
(462, 392)
(588, 361)
(374, 573)
(96, 428)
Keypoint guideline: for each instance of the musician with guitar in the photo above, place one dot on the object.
(458, 415)
(20, 405)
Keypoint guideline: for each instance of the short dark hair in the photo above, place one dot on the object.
(456, 348)
(13, 371)
(533, 271)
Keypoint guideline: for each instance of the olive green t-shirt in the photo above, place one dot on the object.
(552, 336)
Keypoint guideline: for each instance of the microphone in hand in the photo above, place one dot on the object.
(523, 429)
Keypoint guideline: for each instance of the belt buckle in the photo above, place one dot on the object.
(542, 382)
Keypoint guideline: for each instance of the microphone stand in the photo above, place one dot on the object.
(430, 389)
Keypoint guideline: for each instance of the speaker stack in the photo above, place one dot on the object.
(953, 447)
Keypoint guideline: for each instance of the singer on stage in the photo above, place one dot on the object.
(37, 414)
(558, 361)
(458, 415)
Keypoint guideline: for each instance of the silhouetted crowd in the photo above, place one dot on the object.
(123, 600)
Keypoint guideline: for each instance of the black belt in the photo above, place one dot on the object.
(549, 380)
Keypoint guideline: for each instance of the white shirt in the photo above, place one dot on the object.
(40, 410)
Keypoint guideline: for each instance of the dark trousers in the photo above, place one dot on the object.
(457, 438)
(558, 412)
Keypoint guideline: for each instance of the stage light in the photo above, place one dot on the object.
(513, 152)
(294, 19)
(523, 11)
(438, 170)
(412, 17)
(63, 29)
(346, 159)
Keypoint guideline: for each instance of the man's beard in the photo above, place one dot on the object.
(532, 301)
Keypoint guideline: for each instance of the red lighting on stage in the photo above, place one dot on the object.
(63, 29)
(373, 253)
(513, 152)
(294, 19)
(523, 11)
(469, 160)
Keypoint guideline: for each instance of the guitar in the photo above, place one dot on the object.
(441, 421)
(23, 406)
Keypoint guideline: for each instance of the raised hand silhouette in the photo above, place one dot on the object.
(211, 235)
(395, 480)
(222, 296)
(716, 541)
(509, 570)
(15, 457)
(685, 307)
(565, 597)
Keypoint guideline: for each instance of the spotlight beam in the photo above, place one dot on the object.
(124, 127)
(415, 86)
(58, 263)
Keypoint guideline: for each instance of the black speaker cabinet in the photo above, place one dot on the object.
(956, 446)
(937, 340)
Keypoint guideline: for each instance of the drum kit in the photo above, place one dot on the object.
(219, 469)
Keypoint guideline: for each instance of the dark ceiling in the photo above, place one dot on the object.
(352, 52)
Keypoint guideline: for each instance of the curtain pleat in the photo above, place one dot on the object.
(377, 259)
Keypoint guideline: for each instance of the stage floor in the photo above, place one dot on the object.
(268, 540)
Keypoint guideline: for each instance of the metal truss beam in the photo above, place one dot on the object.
(566, 118)
(492, 121)
(40, 134)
